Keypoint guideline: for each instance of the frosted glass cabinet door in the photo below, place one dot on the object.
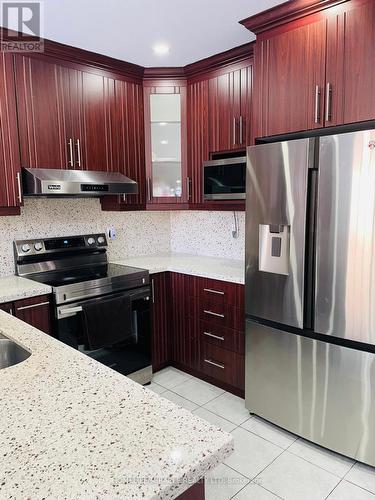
(165, 112)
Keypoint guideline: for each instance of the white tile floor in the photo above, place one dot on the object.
(268, 463)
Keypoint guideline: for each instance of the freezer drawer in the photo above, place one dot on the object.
(320, 391)
(277, 185)
(345, 241)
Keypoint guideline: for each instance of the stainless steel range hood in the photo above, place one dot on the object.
(83, 183)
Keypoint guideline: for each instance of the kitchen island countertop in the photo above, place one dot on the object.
(73, 428)
(16, 288)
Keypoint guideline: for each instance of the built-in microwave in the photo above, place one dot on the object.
(225, 179)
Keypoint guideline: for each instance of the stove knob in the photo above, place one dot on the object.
(101, 240)
(38, 246)
(25, 248)
(91, 241)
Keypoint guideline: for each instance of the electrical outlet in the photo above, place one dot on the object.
(111, 232)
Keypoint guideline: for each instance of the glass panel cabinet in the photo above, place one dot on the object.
(165, 130)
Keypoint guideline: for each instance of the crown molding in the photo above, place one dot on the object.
(212, 63)
(286, 12)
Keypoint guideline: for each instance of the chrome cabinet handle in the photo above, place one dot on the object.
(241, 138)
(78, 144)
(71, 161)
(209, 334)
(218, 365)
(149, 188)
(32, 306)
(317, 104)
(18, 177)
(209, 290)
(188, 188)
(153, 290)
(234, 131)
(123, 197)
(214, 314)
(328, 103)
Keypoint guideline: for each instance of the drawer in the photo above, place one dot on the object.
(222, 315)
(223, 365)
(222, 337)
(222, 292)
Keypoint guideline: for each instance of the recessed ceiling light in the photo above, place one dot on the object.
(160, 49)
(164, 141)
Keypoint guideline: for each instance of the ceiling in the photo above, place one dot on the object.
(127, 29)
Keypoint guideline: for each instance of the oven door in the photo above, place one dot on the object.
(131, 357)
(225, 179)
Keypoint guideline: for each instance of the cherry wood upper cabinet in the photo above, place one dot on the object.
(314, 65)
(229, 106)
(10, 167)
(290, 84)
(165, 104)
(43, 115)
(92, 107)
(357, 24)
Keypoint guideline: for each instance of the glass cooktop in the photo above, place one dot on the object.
(80, 275)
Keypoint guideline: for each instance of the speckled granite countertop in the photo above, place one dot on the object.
(208, 267)
(16, 288)
(73, 428)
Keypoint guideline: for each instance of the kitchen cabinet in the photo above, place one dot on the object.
(313, 71)
(210, 346)
(43, 113)
(356, 27)
(166, 143)
(161, 345)
(35, 311)
(7, 307)
(229, 101)
(219, 120)
(10, 165)
(64, 116)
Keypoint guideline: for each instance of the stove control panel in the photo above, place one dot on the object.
(25, 248)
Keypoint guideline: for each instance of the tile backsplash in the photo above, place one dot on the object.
(138, 233)
(208, 233)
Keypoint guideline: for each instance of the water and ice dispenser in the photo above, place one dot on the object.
(274, 245)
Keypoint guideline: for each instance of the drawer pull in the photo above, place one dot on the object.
(218, 365)
(31, 306)
(209, 334)
(214, 314)
(213, 291)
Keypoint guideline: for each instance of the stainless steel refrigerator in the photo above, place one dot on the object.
(310, 289)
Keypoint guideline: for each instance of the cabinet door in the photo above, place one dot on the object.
(292, 79)
(7, 307)
(185, 321)
(161, 349)
(222, 120)
(35, 311)
(42, 115)
(92, 106)
(358, 83)
(165, 144)
(10, 190)
(198, 147)
(128, 127)
(246, 89)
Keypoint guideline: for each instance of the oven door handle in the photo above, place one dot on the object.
(70, 311)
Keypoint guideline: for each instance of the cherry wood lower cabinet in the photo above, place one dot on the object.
(161, 347)
(36, 311)
(199, 327)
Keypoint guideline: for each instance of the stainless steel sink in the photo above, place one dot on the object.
(11, 353)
